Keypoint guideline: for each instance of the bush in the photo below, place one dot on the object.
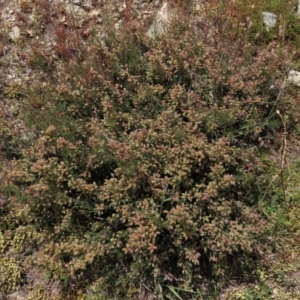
(144, 163)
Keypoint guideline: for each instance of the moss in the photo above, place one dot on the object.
(13, 91)
(10, 274)
(41, 293)
(2, 243)
(24, 237)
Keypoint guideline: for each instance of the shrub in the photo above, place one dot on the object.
(144, 163)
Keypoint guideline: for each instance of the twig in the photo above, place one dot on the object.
(111, 140)
(283, 154)
(104, 134)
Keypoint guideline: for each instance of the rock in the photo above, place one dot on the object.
(16, 296)
(162, 20)
(75, 11)
(118, 25)
(294, 77)
(269, 19)
(121, 9)
(15, 33)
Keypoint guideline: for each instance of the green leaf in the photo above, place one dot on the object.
(172, 289)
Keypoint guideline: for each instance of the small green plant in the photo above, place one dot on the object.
(255, 292)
